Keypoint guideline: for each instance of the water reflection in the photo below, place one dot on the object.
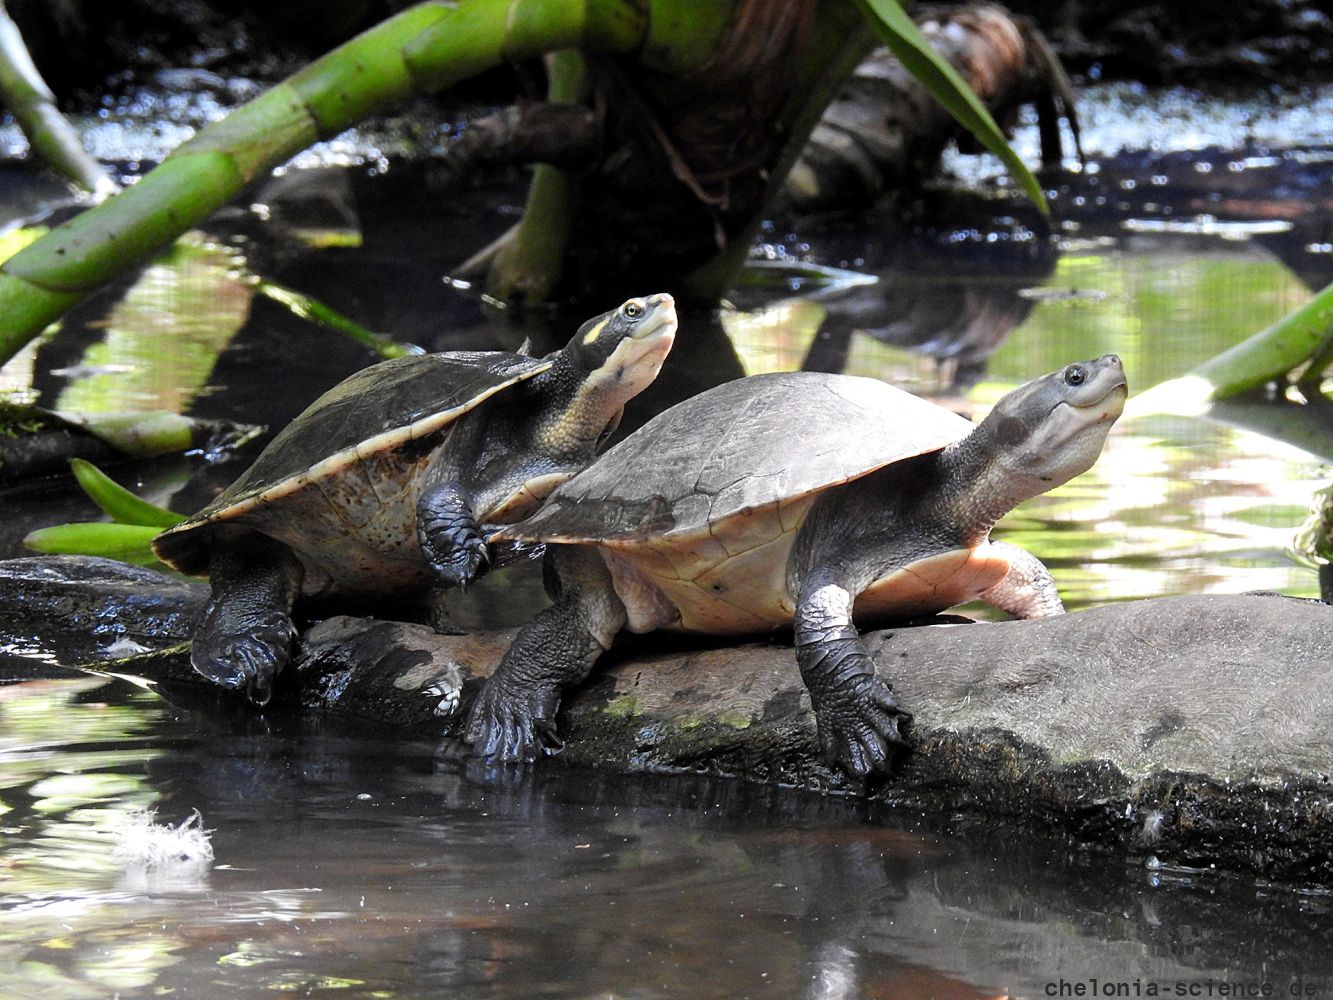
(358, 865)
(954, 301)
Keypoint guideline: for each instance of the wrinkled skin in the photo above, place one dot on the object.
(912, 536)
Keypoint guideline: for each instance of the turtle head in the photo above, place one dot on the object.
(627, 344)
(1052, 429)
(616, 355)
(610, 360)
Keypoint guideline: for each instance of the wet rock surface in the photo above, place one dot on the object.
(88, 609)
(1190, 730)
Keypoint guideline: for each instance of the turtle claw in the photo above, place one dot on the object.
(549, 736)
(249, 660)
(510, 726)
(858, 727)
(462, 561)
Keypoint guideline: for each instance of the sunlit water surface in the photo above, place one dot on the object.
(355, 863)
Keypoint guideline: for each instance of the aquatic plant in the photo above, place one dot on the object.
(127, 536)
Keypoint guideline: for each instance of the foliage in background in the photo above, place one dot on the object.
(127, 536)
(423, 49)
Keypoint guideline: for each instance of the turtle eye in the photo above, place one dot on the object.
(1075, 375)
(632, 310)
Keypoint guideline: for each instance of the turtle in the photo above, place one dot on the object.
(387, 483)
(800, 500)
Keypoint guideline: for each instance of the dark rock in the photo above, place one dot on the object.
(1190, 730)
(84, 608)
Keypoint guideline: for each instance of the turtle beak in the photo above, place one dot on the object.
(660, 317)
(1102, 397)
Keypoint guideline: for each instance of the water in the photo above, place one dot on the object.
(365, 864)
(353, 862)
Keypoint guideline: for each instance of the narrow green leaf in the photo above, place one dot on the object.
(119, 503)
(309, 308)
(1300, 336)
(126, 542)
(906, 42)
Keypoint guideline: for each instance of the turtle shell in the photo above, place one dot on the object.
(396, 404)
(707, 465)
(695, 513)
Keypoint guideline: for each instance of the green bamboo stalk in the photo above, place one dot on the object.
(424, 48)
(1299, 338)
(51, 137)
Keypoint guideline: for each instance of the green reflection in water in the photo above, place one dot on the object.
(1175, 505)
(164, 336)
(71, 772)
(1163, 312)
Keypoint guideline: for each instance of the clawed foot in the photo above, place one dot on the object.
(508, 724)
(458, 555)
(858, 726)
(248, 660)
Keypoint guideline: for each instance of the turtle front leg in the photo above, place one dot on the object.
(450, 537)
(855, 711)
(1027, 590)
(513, 718)
(245, 633)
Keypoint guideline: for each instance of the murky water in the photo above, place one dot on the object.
(360, 863)
(364, 864)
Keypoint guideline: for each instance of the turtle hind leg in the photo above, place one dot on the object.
(450, 537)
(1027, 590)
(245, 633)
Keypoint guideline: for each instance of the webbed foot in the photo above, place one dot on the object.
(509, 723)
(246, 655)
(858, 725)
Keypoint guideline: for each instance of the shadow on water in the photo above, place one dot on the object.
(356, 863)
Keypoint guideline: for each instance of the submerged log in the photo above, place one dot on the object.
(1193, 730)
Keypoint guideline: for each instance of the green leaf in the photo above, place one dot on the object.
(126, 542)
(931, 69)
(119, 503)
(1299, 337)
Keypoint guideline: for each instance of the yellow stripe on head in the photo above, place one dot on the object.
(592, 335)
